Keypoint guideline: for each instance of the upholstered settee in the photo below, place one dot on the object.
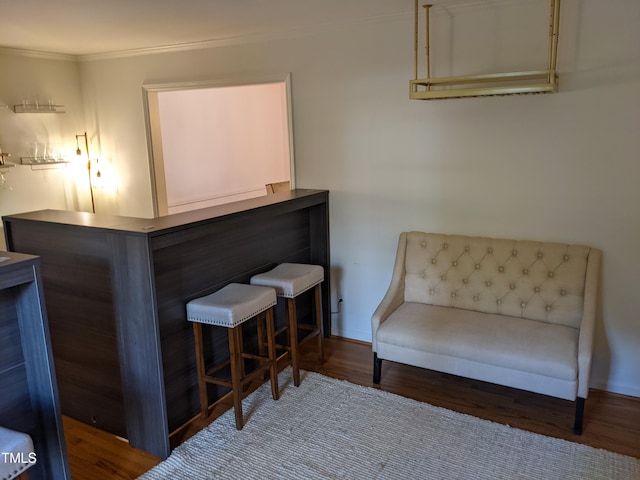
(511, 312)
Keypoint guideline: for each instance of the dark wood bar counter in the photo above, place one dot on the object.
(116, 290)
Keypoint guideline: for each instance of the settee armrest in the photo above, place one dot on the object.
(395, 293)
(587, 327)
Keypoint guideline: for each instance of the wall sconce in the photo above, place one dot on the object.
(98, 173)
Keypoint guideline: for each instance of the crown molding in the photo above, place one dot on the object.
(180, 47)
(240, 39)
(20, 52)
(443, 7)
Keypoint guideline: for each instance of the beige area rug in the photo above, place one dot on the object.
(332, 429)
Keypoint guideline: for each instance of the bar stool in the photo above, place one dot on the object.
(290, 280)
(18, 453)
(230, 307)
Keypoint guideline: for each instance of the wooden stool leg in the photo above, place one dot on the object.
(260, 321)
(271, 344)
(200, 366)
(235, 356)
(319, 324)
(240, 343)
(292, 324)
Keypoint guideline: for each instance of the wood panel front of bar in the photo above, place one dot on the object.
(116, 290)
(29, 400)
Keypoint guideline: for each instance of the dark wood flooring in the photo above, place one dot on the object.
(612, 421)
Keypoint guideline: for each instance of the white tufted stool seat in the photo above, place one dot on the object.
(289, 281)
(230, 307)
(17, 450)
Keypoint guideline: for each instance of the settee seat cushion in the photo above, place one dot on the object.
(529, 346)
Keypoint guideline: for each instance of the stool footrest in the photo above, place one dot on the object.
(265, 364)
(216, 368)
(313, 334)
(285, 354)
(255, 373)
(217, 381)
(280, 346)
(306, 326)
(252, 356)
(280, 330)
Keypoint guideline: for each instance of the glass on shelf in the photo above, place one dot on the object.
(38, 108)
(40, 153)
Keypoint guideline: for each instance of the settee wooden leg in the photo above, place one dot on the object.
(577, 426)
(377, 368)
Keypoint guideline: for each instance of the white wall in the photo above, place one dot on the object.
(41, 78)
(560, 167)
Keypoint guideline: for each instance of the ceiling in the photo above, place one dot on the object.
(82, 27)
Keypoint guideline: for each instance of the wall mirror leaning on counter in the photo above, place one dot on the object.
(217, 142)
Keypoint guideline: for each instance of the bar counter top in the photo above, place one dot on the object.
(167, 223)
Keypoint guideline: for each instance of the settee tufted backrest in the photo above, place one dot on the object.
(533, 280)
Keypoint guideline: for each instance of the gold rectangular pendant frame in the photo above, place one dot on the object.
(512, 83)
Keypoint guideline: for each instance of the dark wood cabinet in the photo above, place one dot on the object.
(28, 390)
(117, 289)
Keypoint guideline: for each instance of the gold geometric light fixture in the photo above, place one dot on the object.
(535, 81)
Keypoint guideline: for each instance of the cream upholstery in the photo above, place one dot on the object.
(231, 305)
(18, 453)
(290, 279)
(534, 280)
(515, 313)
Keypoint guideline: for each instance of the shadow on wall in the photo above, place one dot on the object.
(336, 300)
(601, 346)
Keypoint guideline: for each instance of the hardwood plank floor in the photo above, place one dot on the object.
(612, 422)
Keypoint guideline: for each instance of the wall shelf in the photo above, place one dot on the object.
(541, 81)
(38, 108)
(42, 160)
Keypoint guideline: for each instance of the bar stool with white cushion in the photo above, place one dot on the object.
(230, 307)
(17, 454)
(291, 280)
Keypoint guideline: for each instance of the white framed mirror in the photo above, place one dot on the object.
(216, 142)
